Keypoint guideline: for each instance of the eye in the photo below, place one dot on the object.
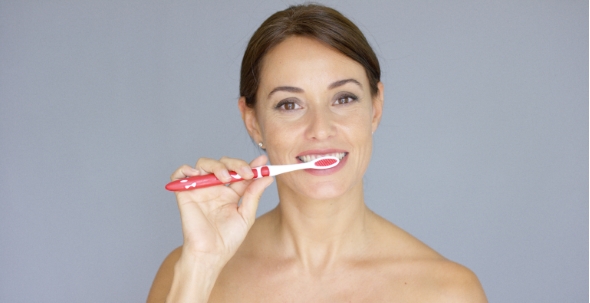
(287, 105)
(345, 99)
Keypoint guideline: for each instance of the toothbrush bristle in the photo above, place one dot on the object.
(325, 162)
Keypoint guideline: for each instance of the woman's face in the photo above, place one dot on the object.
(314, 101)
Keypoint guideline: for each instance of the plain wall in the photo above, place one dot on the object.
(482, 152)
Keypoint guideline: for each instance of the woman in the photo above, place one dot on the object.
(310, 87)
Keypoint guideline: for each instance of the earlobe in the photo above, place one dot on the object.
(377, 107)
(250, 120)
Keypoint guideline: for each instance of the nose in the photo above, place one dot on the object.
(321, 124)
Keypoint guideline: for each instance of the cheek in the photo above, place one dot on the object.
(279, 138)
(275, 130)
(281, 135)
(357, 125)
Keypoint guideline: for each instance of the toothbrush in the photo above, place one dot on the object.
(195, 182)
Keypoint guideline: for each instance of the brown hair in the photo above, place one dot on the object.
(310, 20)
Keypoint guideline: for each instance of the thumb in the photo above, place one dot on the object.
(247, 208)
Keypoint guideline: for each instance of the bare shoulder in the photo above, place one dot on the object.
(163, 280)
(452, 282)
(422, 274)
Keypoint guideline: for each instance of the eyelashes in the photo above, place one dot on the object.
(346, 98)
(294, 104)
(287, 104)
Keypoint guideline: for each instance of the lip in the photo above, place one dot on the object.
(324, 172)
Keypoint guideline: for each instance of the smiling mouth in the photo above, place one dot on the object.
(308, 158)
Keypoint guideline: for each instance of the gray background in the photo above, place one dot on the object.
(482, 152)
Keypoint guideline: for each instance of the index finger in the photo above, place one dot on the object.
(183, 172)
(240, 187)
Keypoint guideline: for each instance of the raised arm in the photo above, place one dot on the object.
(214, 224)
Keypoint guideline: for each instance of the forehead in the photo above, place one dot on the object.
(306, 62)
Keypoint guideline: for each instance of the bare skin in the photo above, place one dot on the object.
(393, 266)
(387, 265)
(321, 244)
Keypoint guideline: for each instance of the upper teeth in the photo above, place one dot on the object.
(308, 158)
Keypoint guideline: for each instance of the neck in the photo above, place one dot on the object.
(319, 232)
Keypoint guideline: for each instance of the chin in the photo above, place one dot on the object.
(325, 191)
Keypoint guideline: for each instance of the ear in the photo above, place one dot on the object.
(250, 120)
(377, 107)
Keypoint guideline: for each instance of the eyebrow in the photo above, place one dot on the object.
(293, 89)
(290, 89)
(342, 82)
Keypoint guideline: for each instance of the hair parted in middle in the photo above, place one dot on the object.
(313, 21)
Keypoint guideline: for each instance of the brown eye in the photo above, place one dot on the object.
(345, 99)
(287, 105)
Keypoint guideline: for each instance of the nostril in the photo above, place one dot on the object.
(320, 126)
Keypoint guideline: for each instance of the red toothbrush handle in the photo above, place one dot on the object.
(195, 182)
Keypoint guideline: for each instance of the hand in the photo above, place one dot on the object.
(214, 222)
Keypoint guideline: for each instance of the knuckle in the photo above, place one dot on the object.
(203, 160)
(178, 173)
(232, 162)
(228, 161)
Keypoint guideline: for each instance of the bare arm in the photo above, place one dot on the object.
(214, 224)
(163, 280)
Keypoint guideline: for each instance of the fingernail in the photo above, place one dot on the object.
(245, 171)
(225, 176)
